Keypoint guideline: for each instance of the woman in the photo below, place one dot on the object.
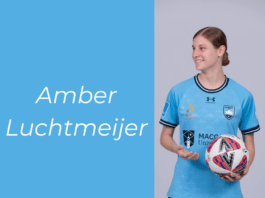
(200, 105)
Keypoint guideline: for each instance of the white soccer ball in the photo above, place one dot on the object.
(227, 154)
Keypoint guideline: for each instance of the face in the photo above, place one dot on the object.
(204, 54)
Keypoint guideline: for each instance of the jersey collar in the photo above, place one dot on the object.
(210, 90)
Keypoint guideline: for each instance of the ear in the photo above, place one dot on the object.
(221, 50)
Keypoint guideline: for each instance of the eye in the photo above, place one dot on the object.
(202, 48)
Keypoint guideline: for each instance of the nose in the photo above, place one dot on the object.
(195, 53)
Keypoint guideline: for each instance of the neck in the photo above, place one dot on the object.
(212, 78)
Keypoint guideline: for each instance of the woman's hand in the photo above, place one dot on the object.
(166, 140)
(236, 176)
(249, 141)
(184, 154)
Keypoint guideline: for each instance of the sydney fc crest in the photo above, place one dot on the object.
(188, 137)
(229, 111)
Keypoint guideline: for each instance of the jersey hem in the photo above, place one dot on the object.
(251, 130)
(163, 122)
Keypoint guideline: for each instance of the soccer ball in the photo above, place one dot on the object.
(227, 154)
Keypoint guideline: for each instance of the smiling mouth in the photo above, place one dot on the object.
(198, 61)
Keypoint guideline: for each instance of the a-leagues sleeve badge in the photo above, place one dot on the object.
(165, 109)
(229, 111)
(188, 136)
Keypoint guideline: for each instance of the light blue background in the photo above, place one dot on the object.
(63, 45)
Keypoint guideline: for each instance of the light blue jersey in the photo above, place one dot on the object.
(203, 114)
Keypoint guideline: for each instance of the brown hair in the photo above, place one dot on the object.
(217, 37)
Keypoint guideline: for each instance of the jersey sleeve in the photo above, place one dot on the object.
(170, 113)
(249, 122)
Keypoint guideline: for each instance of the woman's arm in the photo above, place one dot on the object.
(166, 140)
(249, 141)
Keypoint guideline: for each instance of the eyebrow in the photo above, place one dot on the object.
(199, 45)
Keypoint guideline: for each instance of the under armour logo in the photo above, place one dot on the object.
(210, 99)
